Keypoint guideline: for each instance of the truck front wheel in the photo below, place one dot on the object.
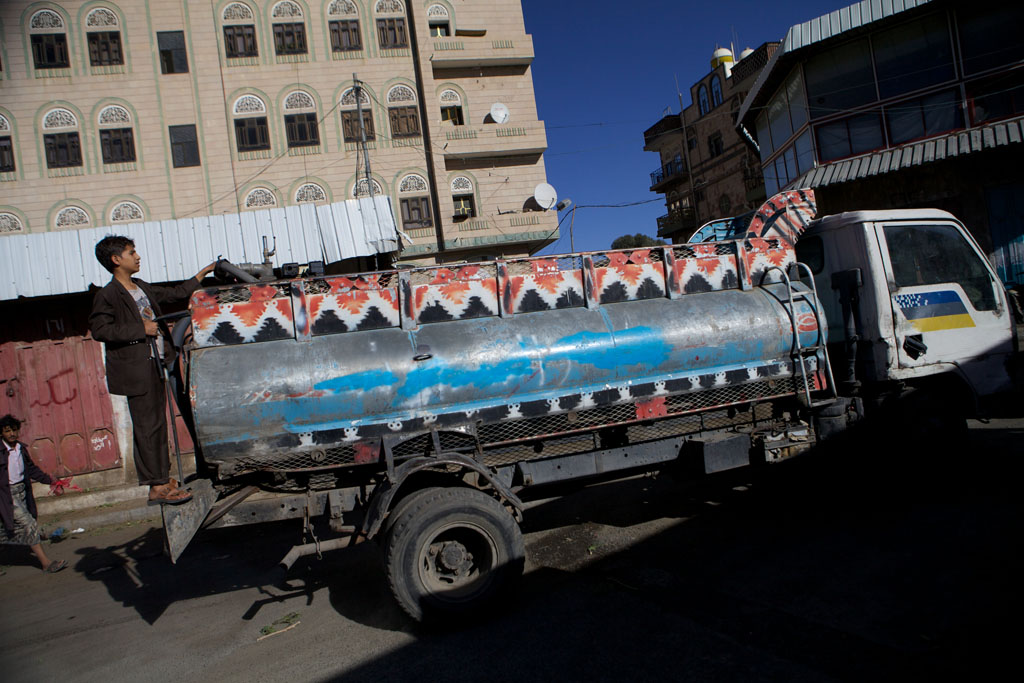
(452, 551)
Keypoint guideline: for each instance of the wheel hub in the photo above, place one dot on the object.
(452, 559)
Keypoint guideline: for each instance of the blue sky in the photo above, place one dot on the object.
(605, 71)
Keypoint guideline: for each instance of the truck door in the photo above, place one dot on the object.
(946, 305)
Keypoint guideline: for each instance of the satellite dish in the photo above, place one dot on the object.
(545, 196)
(500, 113)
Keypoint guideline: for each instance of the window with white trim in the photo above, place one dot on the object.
(103, 33)
(48, 36)
(300, 120)
(343, 24)
(72, 217)
(362, 188)
(310, 193)
(391, 29)
(10, 223)
(403, 114)
(61, 141)
(260, 198)
(289, 29)
(414, 202)
(350, 118)
(438, 21)
(127, 212)
(117, 139)
(451, 107)
(7, 164)
(463, 200)
(252, 132)
(239, 31)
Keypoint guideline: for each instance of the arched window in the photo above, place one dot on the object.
(252, 132)
(343, 21)
(10, 223)
(362, 188)
(300, 121)
(310, 192)
(103, 32)
(49, 40)
(716, 91)
(7, 164)
(438, 21)
(702, 100)
(127, 212)
(462, 198)
(289, 29)
(403, 113)
(60, 139)
(414, 200)
(117, 139)
(260, 197)
(239, 31)
(391, 32)
(451, 107)
(72, 217)
(350, 119)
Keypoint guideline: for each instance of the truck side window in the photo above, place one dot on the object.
(811, 251)
(935, 254)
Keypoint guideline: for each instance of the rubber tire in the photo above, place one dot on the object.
(419, 522)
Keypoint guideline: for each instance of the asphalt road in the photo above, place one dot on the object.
(876, 565)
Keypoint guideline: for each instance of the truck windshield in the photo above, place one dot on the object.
(936, 254)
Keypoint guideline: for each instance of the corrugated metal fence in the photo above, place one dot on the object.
(49, 263)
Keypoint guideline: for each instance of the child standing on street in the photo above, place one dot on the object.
(17, 504)
(123, 317)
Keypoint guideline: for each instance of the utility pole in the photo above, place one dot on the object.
(358, 91)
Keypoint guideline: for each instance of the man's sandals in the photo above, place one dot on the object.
(168, 494)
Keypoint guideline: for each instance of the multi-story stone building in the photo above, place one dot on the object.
(706, 170)
(126, 111)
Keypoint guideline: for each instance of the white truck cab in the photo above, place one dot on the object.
(909, 295)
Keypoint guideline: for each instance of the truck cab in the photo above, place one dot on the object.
(910, 298)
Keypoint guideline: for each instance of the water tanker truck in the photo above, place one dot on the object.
(422, 407)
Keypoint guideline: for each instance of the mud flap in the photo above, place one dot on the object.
(181, 522)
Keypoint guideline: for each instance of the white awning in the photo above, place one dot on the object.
(49, 263)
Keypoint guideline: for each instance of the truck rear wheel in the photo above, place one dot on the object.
(452, 551)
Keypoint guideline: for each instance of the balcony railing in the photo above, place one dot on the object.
(680, 221)
(674, 168)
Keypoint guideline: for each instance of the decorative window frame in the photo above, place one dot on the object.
(11, 223)
(84, 16)
(8, 129)
(239, 18)
(388, 8)
(716, 87)
(71, 215)
(263, 110)
(295, 92)
(401, 94)
(316, 193)
(391, 9)
(47, 19)
(61, 123)
(360, 189)
(462, 184)
(348, 92)
(137, 213)
(440, 11)
(129, 121)
(413, 183)
(276, 13)
(345, 10)
(260, 197)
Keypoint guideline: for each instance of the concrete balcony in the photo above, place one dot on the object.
(458, 52)
(492, 140)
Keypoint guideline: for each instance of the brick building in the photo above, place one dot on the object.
(706, 171)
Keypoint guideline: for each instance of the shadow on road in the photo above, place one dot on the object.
(868, 564)
(863, 566)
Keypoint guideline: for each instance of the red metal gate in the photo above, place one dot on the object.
(59, 390)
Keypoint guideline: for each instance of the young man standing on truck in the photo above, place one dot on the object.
(123, 317)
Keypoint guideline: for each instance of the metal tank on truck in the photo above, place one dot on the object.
(307, 375)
